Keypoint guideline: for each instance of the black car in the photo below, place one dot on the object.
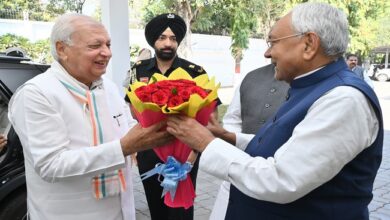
(15, 69)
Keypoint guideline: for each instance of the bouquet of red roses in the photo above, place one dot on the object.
(177, 94)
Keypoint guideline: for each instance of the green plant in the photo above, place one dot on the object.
(38, 51)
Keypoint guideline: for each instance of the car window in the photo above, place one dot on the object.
(5, 125)
(4, 122)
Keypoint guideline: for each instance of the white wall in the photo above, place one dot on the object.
(33, 30)
(113, 16)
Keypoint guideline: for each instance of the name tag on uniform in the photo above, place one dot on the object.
(144, 79)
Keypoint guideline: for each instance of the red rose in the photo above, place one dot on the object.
(198, 90)
(185, 93)
(184, 83)
(143, 96)
(175, 101)
(148, 88)
(169, 92)
(160, 97)
(174, 90)
(164, 84)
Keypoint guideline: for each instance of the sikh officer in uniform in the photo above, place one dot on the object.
(164, 33)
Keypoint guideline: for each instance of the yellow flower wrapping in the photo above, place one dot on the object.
(189, 108)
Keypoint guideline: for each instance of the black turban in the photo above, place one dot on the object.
(159, 24)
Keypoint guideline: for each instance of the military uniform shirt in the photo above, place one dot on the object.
(144, 69)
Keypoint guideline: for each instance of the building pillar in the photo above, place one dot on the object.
(115, 17)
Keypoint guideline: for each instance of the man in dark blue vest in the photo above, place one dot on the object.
(318, 156)
(258, 90)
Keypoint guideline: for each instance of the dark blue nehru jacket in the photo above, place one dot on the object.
(344, 197)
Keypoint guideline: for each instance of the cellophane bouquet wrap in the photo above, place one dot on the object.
(178, 93)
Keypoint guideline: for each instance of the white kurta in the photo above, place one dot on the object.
(231, 122)
(337, 127)
(59, 160)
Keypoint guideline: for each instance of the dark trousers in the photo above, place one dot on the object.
(153, 191)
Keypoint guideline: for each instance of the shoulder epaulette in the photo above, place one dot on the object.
(140, 63)
(196, 68)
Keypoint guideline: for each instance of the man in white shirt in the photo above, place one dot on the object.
(318, 157)
(74, 129)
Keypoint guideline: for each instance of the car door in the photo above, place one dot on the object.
(13, 73)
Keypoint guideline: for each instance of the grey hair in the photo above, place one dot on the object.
(63, 29)
(328, 22)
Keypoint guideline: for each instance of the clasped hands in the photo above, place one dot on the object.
(195, 135)
(186, 129)
(190, 131)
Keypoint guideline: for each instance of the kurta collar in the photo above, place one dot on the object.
(321, 74)
(60, 71)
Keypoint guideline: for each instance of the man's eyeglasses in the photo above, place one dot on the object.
(270, 42)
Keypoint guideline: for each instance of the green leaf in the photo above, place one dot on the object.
(174, 91)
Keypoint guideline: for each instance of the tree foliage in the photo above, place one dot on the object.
(11, 40)
(189, 10)
(32, 9)
(383, 33)
(369, 19)
(366, 20)
(268, 13)
(37, 11)
(58, 7)
(243, 23)
(38, 51)
(229, 17)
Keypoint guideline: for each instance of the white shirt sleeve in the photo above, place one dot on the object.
(368, 79)
(42, 131)
(337, 127)
(232, 118)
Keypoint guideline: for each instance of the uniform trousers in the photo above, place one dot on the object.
(147, 160)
